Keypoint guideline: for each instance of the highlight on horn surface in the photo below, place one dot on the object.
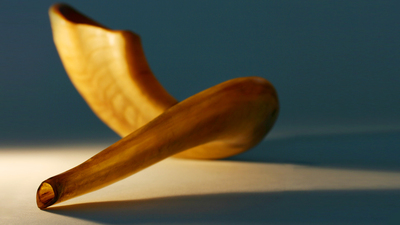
(117, 83)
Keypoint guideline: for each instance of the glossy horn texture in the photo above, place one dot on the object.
(110, 71)
(235, 114)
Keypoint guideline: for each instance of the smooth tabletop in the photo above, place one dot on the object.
(257, 187)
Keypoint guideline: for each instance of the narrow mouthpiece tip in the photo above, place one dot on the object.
(45, 196)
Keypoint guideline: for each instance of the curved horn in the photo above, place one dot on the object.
(112, 75)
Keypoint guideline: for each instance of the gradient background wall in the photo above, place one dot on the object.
(335, 64)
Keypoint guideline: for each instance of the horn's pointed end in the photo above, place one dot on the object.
(46, 195)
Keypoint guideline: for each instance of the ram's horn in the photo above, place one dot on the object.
(111, 73)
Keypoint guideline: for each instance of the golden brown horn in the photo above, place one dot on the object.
(111, 73)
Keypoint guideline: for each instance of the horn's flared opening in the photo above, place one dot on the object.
(46, 195)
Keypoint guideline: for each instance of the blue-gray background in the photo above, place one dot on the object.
(335, 64)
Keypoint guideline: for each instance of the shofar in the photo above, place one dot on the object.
(118, 85)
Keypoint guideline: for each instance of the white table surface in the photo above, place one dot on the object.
(233, 191)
